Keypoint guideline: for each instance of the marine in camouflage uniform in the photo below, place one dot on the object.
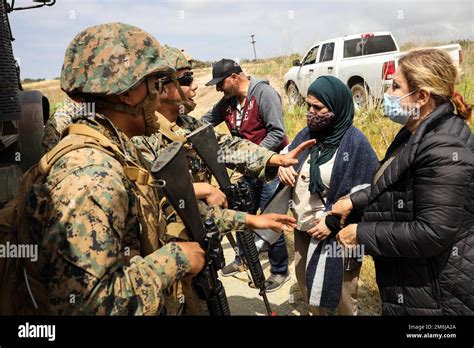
(86, 214)
(227, 220)
(253, 164)
(73, 112)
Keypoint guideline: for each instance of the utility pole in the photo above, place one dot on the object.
(253, 43)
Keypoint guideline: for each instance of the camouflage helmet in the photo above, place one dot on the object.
(186, 55)
(179, 59)
(109, 59)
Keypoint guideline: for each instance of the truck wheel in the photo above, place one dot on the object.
(359, 95)
(294, 96)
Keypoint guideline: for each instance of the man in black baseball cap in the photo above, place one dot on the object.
(222, 69)
(252, 110)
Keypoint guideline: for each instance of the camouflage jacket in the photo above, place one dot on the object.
(85, 217)
(237, 153)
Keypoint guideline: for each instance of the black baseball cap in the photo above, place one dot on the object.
(222, 69)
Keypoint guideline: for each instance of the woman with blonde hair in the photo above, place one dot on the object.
(418, 214)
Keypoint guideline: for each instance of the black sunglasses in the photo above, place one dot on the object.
(185, 80)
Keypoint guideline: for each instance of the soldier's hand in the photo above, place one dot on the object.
(287, 176)
(290, 158)
(216, 197)
(195, 255)
(236, 176)
(211, 194)
(276, 222)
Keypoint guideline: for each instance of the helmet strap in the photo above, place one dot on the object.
(145, 108)
(188, 104)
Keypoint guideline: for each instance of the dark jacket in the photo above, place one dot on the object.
(262, 115)
(418, 220)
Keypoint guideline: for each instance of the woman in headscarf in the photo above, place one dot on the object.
(341, 162)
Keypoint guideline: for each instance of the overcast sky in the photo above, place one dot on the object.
(211, 30)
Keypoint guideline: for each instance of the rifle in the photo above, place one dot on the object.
(206, 145)
(180, 194)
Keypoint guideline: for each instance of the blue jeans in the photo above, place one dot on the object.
(278, 253)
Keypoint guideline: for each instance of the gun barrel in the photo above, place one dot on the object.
(180, 194)
(206, 145)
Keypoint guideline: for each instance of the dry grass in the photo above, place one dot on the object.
(41, 85)
(369, 297)
(52, 90)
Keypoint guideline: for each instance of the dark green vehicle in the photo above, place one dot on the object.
(22, 113)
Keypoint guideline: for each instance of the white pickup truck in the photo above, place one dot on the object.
(365, 62)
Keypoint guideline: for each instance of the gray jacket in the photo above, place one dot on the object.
(263, 115)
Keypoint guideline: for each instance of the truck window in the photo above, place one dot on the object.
(311, 56)
(327, 52)
(369, 45)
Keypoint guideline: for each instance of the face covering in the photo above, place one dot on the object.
(393, 109)
(317, 122)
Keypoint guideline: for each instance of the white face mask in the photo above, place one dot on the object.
(393, 109)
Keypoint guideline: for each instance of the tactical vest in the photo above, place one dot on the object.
(21, 281)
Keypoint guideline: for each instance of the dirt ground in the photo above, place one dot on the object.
(244, 300)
